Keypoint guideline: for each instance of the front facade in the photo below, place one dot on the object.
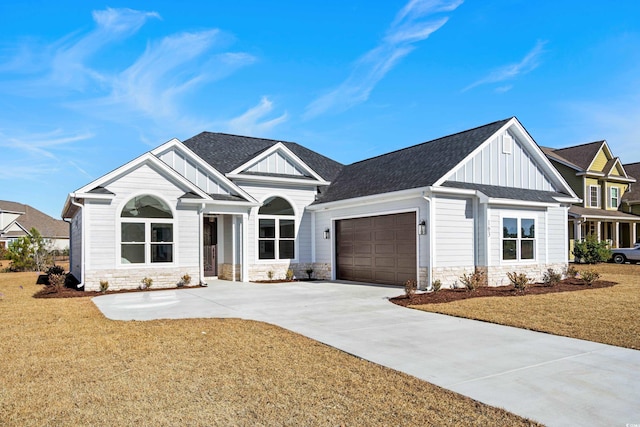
(602, 182)
(241, 208)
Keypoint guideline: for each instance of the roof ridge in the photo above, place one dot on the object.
(579, 145)
(246, 136)
(431, 141)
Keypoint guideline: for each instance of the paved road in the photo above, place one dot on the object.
(554, 380)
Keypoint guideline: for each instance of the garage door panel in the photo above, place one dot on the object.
(380, 249)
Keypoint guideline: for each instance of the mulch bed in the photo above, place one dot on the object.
(448, 295)
(51, 292)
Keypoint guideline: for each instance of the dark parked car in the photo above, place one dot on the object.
(622, 255)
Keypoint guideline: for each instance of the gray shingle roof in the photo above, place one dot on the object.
(227, 152)
(413, 167)
(580, 155)
(47, 226)
(633, 170)
(599, 213)
(508, 192)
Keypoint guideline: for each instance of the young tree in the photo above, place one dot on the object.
(29, 252)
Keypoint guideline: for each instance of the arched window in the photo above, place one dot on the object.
(146, 231)
(276, 229)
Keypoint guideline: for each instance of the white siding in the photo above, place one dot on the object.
(557, 235)
(491, 166)
(76, 246)
(276, 163)
(325, 219)
(299, 198)
(454, 228)
(194, 173)
(495, 234)
(102, 219)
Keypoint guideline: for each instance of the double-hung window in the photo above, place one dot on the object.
(518, 239)
(614, 197)
(276, 230)
(146, 231)
(594, 196)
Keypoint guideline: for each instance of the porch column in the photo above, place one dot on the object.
(599, 230)
(245, 266)
(577, 230)
(633, 233)
(616, 244)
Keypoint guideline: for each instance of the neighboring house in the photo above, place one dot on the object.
(631, 198)
(17, 219)
(601, 181)
(237, 208)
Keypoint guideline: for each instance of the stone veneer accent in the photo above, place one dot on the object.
(130, 278)
(225, 272)
(496, 275)
(260, 271)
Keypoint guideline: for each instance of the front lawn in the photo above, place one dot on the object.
(608, 315)
(63, 363)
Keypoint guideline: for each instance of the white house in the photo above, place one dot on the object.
(237, 208)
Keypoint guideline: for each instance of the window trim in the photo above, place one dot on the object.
(147, 234)
(519, 239)
(611, 205)
(277, 239)
(598, 189)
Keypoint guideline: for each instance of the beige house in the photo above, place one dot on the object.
(16, 219)
(602, 182)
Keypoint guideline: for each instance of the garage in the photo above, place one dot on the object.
(377, 249)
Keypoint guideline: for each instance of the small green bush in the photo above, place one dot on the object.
(104, 285)
(591, 251)
(589, 276)
(410, 287)
(520, 281)
(551, 278)
(289, 274)
(474, 280)
(436, 285)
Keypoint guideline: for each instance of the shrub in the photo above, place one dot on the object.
(436, 285)
(591, 250)
(551, 278)
(519, 281)
(146, 283)
(570, 272)
(270, 274)
(410, 287)
(104, 285)
(54, 269)
(185, 280)
(474, 280)
(289, 274)
(57, 281)
(309, 272)
(589, 276)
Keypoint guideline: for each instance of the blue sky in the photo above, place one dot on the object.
(86, 86)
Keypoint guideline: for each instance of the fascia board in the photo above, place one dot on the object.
(276, 147)
(218, 202)
(177, 144)
(368, 200)
(520, 203)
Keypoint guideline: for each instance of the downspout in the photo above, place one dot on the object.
(430, 245)
(72, 199)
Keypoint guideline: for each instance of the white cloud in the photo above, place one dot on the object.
(254, 121)
(42, 144)
(408, 28)
(508, 72)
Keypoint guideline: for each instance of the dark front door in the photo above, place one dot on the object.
(377, 249)
(210, 242)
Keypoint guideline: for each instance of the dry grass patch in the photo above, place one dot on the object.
(608, 315)
(65, 364)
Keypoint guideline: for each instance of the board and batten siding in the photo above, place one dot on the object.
(492, 166)
(103, 218)
(181, 163)
(300, 198)
(276, 163)
(455, 232)
(324, 220)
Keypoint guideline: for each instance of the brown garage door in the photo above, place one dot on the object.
(377, 249)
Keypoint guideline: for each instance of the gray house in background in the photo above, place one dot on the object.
(240, 208)
(16, 219)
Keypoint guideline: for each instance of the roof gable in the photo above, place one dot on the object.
(633, 194)
(227, 153)
(418, 166)
(31, 217)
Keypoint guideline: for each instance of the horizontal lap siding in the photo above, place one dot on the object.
(455, 237)
(557, 235)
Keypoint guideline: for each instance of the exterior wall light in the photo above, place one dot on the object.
(422, 228)
(326, 234)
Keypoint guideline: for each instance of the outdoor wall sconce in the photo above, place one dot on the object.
(326, 234)
(422, 228)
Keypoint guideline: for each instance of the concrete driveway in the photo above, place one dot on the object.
(554, 380)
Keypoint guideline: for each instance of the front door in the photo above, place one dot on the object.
(210, 243)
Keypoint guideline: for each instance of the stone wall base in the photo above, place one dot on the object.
(131, 278)
(279, 271)
(226, 272)
(496, 275)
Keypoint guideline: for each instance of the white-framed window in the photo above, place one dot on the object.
(594, 196)
(146, 231)
(276, 230)
(518, 239)
(614, 197)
